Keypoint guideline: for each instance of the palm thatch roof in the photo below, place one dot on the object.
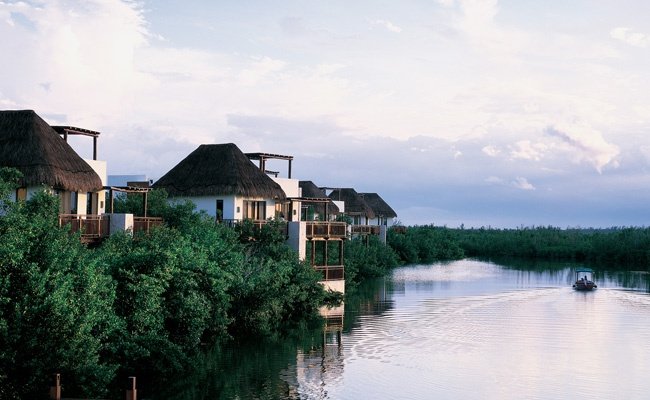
(33, 147)
(311, 191)
(218, 169)
(378, 205)
(354, 203)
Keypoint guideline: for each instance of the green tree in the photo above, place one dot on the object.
(55, 306)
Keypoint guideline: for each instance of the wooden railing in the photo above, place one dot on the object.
(331, 272)
(257, 224)
(144, 224)
(92, 227)
(366, 229)
(325, 230)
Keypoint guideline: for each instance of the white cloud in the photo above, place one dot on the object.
(627, 35)
(491, 150)
(585, 144)
(527, 150)
(388, 25)
(522, 183)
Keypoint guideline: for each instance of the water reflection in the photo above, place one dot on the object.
(468, 329)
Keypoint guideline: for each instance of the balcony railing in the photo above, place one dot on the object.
(257, 224)
(144, 224)
(331, 272)
(325, 230)
(366, 229)
(92, 227)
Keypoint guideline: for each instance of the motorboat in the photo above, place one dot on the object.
(584, 279)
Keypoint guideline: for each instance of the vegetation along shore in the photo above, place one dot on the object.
(151, 304)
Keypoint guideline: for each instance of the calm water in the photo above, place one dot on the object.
(467, 329)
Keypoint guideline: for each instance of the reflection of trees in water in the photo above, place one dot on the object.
(372, 297)
(638, 280)
(259, 368)
(563, 271)
(283, 367)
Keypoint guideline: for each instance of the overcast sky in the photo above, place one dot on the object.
(482, 113)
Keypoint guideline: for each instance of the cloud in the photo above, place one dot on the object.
(522, 183)
(527, 150)
(491, 150)
(585, 144)
(388, 25)
(630, 37)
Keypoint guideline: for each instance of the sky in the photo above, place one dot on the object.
(474, 112)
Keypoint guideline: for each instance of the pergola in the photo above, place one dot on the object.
(71, 130)
(133, 188)
(262, 157)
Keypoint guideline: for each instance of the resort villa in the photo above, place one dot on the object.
(47, 162)
(219, 179)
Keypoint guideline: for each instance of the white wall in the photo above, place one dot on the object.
(291, 187)
(340, 204)
(209, 205)
(100, 168)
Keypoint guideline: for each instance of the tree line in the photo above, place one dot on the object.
(617, 247)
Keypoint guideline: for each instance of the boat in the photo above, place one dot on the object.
(584, 279)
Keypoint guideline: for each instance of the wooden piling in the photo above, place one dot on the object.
(55, 391)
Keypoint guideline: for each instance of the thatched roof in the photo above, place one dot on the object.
(30, 145)
(354, 204)
(311, 191)
(218, 169)
(378, 205)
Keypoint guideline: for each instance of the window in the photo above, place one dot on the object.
(255, 210)
(21, 194)
(89, 203)
(219, 210)
(73, 201)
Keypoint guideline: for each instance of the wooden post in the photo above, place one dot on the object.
(289, 169)
(325, 252)
(94, 147)
(144, 203)
(132, 392)
(110, 194)
(55, 391)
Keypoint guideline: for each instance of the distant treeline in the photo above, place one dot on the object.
(618, 247)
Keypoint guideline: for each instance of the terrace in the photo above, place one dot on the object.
(95, 228)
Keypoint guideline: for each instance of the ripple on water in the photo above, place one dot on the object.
(540, 343)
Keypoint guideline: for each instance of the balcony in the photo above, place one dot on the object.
(325, 230)
(256, 224)
(331, 272)
(366, 229)
(144, 224)
(93, 228)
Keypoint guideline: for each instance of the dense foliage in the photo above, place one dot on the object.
(367, 257)
(619, 247)
(424, 244)
(143, 305)
(622, 247)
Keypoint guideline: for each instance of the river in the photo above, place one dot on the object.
(466, 329)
